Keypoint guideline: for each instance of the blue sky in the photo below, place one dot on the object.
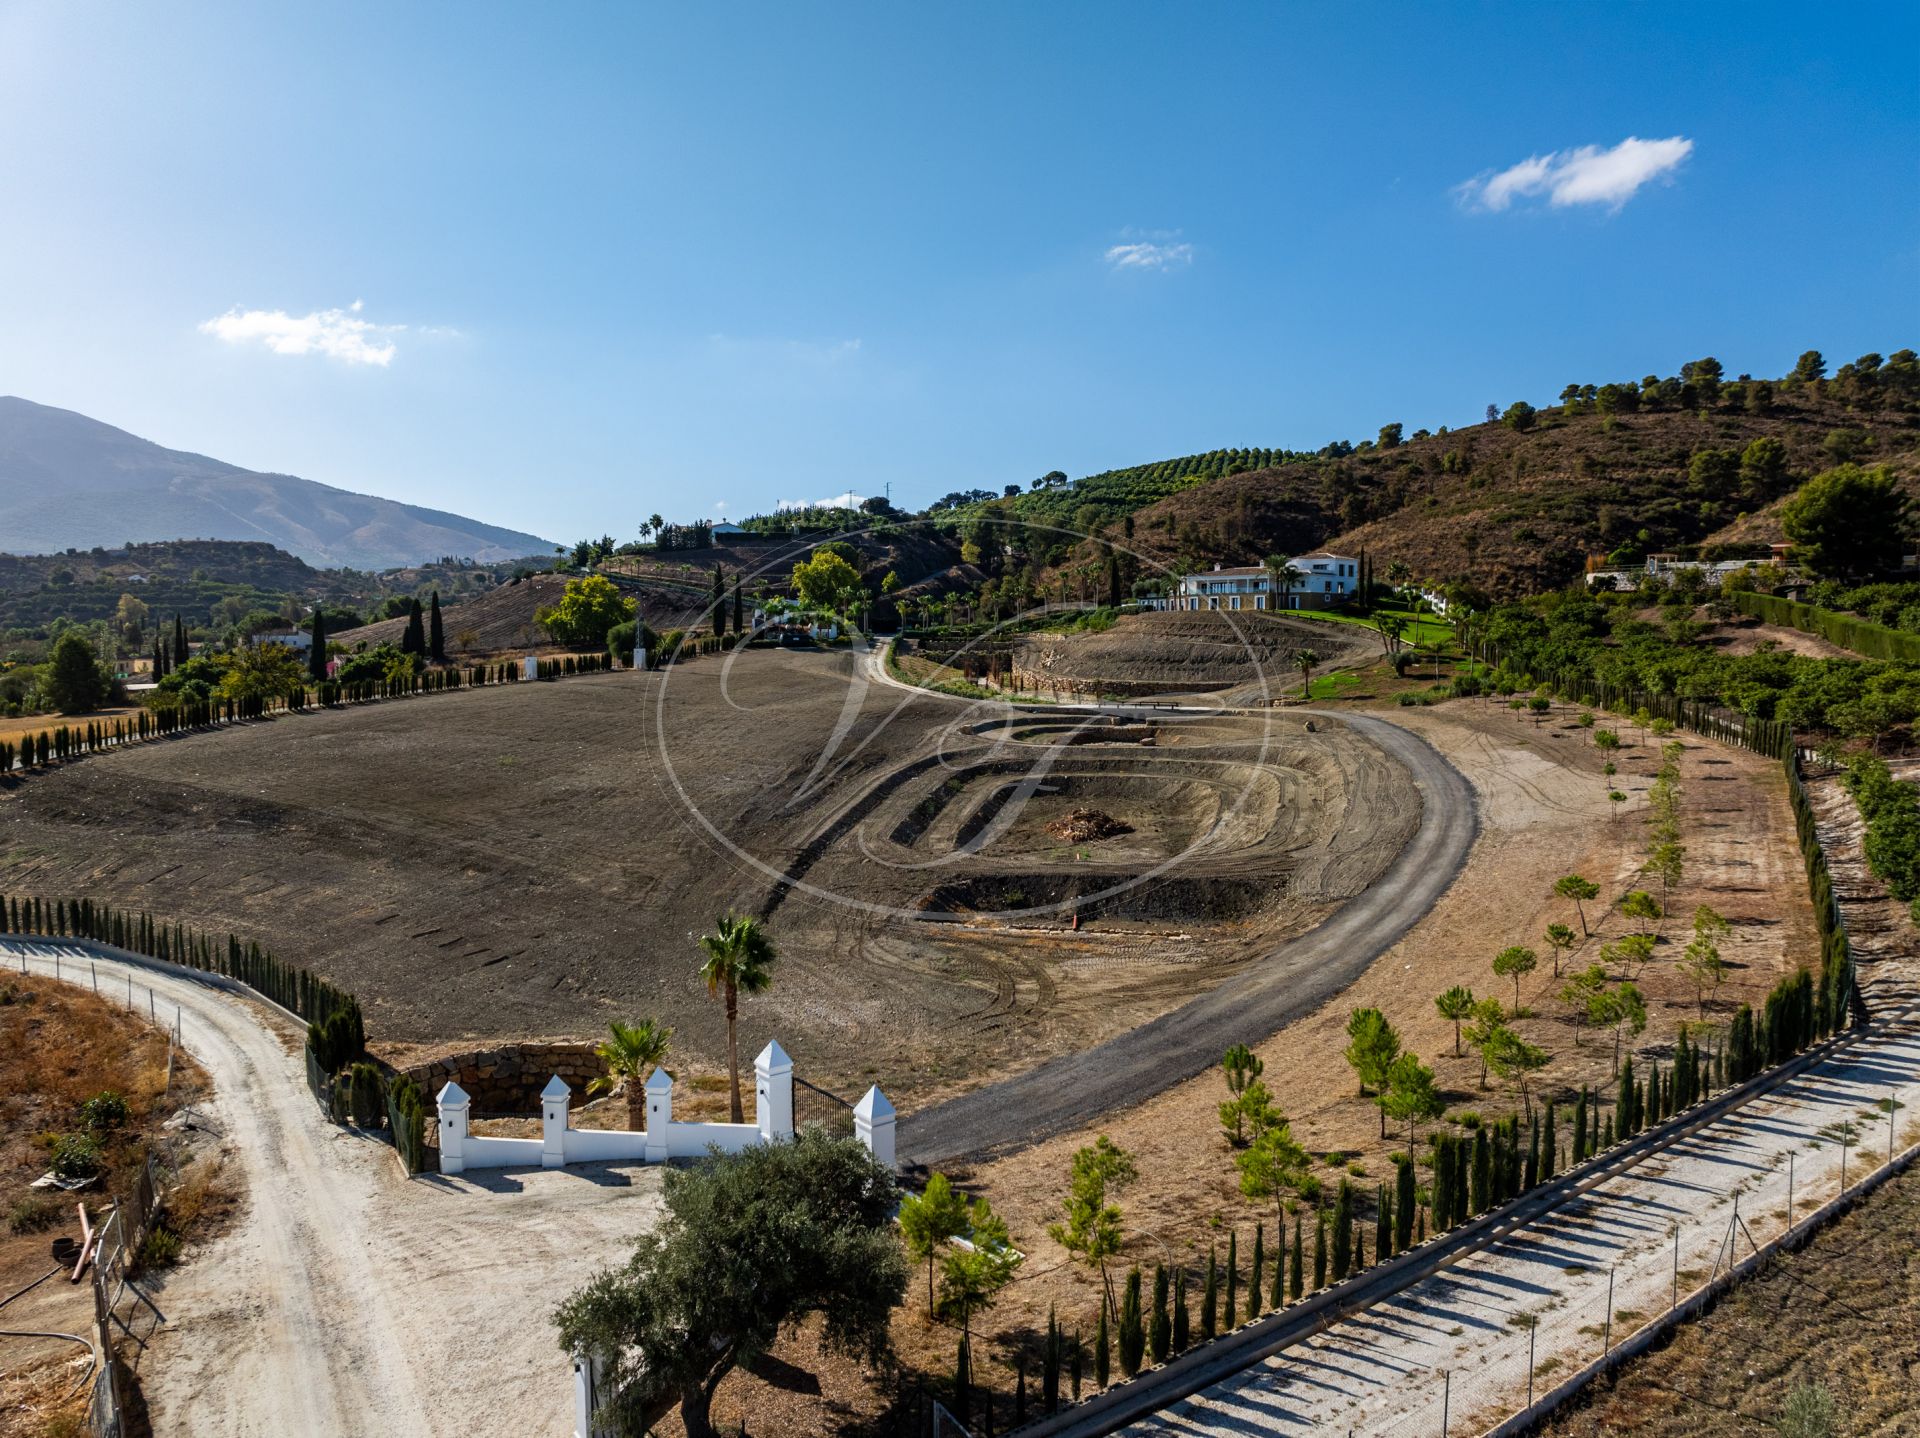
(703, 259)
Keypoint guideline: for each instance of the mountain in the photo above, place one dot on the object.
(70, 482)
(1514, 506)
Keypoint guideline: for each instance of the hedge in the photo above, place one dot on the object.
(1849, 631)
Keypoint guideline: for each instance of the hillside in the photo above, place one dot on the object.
(1511, 509)
(70, 482)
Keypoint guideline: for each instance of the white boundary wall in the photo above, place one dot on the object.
(560, 1143)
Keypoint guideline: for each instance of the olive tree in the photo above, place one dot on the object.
(749, 1245)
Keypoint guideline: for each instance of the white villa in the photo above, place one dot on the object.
(1325, 581)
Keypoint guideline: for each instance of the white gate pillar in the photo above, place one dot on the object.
(453, 1103)
(659, 1114)
(530, 668)
(553, 1123)
(773, 1092)
(873, 1126)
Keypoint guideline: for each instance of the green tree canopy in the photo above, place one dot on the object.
(826, 581)
(1848, 520)
(1372, 1046)
(590, 607)
(74, 683)
(749, 1245)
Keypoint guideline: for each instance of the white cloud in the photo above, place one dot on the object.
(337, 334)
(1147, 255)
(1586, 176)
(849, 500)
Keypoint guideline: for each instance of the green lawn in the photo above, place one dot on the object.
(1423, 630)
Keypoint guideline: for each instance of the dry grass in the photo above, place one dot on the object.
(1843, 1314)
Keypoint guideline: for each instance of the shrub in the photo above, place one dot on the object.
(77, 1155)
(365, 1095)
(160, 1248)
(33, 1214)
(105, 1110)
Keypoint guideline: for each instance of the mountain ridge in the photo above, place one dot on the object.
(69, 481)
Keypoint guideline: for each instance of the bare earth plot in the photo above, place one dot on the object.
(536, 859)
(348, 1300)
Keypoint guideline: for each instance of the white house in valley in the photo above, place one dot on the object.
(1325, 581)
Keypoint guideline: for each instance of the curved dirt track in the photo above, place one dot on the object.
(1295, 978)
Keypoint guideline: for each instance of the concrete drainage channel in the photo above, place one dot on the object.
(1234, 1354)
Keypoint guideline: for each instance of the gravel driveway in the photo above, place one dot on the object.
(349, 1300)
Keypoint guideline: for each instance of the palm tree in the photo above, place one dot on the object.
(740, 959)
(1306, 659)
(1284, 576)
(633, 1052)
(657, 522)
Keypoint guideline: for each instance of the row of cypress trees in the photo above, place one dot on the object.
(70, 741)
(292, 987)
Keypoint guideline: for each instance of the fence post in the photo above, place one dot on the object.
(873, 1126)
(453, 1104)
(553, 1123)
(659, 1114)
(773, 1092)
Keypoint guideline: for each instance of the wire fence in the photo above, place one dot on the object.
(122, 1312)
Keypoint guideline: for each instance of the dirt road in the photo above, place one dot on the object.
(349, 1300)
(1291, 981)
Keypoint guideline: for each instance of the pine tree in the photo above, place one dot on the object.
(436, 634)
(1296, 1280)
(1254, 1291)
(1210, 1298)
(1233, 1280)
(1319, 1251)
(1160, 1336)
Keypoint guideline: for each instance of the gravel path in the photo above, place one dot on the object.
(1294, 979)
(349, 1300)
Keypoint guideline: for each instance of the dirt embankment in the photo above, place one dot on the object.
(1169, 652)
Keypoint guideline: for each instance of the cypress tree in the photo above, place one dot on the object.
(1547, 1141)
(1580, 1126)
(1319, 1250)
(1532, 1174)
(179, 641)
(1182, 1336)
(1343, 1230)
(1443, 1161)
(1382, 1224)
(1405, 1201)
(1482, 1178)
(1160, 1336)
(739, 611)
(1296, 1277)
(1210, 1298)
(1607, 1139)
(1133, 1334)
(1420, 1227)
(436, 634)
(1254, 1291)
(317, 646)
(1101, 1346)
(1359, 1260)
(1233, 1280)
(1277, 1298)
(1623, 1101)
(963, 1383)
(1073, 1364)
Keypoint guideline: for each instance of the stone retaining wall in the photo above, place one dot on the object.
(508, 1079)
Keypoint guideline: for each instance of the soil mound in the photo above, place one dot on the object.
(1083, 826)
